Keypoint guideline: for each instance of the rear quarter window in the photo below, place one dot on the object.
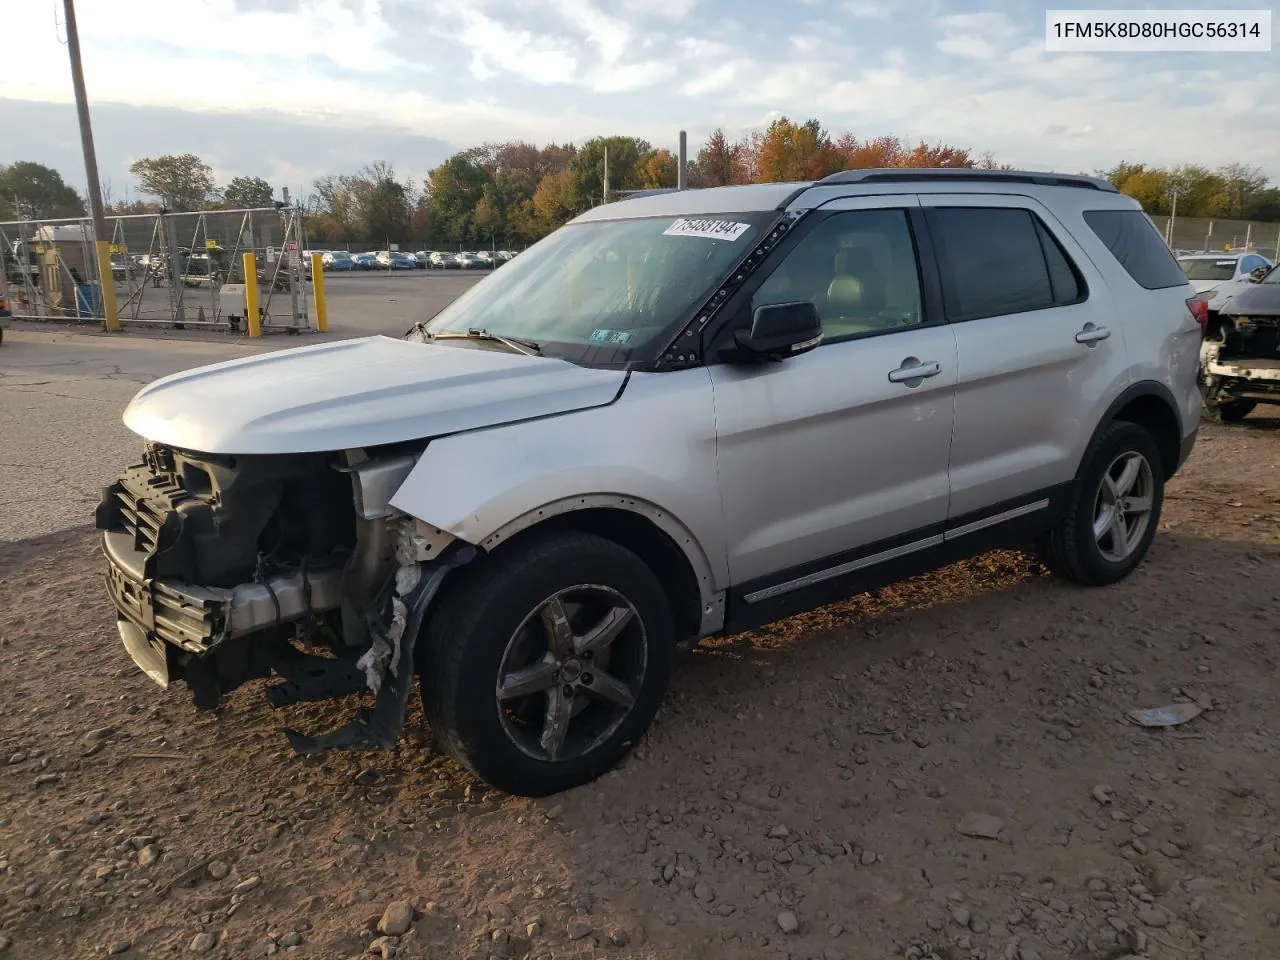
(1134, 241)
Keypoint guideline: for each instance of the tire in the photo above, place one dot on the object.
(489, 628)
(1071, 549)
(1228, 411)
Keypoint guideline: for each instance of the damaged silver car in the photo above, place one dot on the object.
(684, 414)
(1240, 356)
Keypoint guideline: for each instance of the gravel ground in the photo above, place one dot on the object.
(940, 769)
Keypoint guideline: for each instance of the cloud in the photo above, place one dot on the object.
(458, 72)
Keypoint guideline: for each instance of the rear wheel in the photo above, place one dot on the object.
(1115, 509)
(546, 663)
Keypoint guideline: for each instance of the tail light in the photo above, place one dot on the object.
(1199, 308)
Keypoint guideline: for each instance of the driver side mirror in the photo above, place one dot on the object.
(781, 330)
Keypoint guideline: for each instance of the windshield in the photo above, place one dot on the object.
(1208, 269)
(606, 291)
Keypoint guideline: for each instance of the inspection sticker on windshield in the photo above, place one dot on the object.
(708, 229)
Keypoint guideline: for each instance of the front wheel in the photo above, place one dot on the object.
(1228, 411)
(543, 665)
(1114, 510)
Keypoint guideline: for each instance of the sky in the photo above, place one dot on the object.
(293, 89)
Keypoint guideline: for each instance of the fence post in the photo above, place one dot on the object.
(252, 320)
(107, 286)
(317, 291)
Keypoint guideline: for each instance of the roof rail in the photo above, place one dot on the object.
(908, 175)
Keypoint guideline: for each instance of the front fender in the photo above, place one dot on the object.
(652, 452)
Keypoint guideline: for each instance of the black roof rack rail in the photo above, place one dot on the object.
(918, 174)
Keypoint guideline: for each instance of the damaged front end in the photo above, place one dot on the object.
(1240, 361)
(225, 569)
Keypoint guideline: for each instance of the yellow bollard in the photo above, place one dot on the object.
(107, 284)
(317, 291)
(251, 318)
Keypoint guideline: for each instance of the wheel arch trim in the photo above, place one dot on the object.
(712, 600)
(1142, 389)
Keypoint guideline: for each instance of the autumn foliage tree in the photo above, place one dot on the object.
(719, 163)
(513, 193)
(796, 151)
(1234, 191)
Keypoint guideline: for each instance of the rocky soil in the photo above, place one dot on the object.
(944, 769)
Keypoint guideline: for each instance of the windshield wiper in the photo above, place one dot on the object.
(529, 348)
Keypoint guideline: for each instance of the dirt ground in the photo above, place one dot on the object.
(808, 791)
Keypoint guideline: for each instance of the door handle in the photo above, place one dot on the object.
(1092, 334)
(913, 369)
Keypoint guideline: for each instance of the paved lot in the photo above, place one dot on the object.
(389, 303)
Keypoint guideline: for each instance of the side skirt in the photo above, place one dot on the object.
(1012, 524)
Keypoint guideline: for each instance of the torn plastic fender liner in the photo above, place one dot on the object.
(381, 726)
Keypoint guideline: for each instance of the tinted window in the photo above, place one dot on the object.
(999, 261)
(1135, 242)
(1201, 269)
(1063, 278)
(858, 268)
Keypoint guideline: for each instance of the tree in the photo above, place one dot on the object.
(1201, 192)
(555, 200)
(791, 151)
(247, 192)
(892, 152)
(1241, 184)
(183, 182)
(586, 169)
(658, 168)
(337, 215)
(34, 191)
(1152, 189)
(385, 205)
(454, 188)
(719, 162)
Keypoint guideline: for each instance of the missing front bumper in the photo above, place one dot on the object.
(198, 620)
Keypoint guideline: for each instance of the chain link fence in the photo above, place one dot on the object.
(1214, 236)
(172, 269)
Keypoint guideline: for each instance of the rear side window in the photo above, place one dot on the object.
(996, 261)
(1135, 242)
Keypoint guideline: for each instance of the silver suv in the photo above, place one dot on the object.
(680, 415)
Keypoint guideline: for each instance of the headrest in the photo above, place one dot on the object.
(845, 291)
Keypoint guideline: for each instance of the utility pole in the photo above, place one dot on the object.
(682, 170)
(606, 174)
(101, 245)
(1173, 215)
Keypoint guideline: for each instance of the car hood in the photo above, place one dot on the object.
(1255, 300)
(358, 393)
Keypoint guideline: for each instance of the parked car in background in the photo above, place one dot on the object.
(1218, 276)
(438, 260)
(423, 257)
(469, 261)
(338, 260)
(402, 261)
(1240, 356)
(366, 261)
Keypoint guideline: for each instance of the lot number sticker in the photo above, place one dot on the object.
(708, 229)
